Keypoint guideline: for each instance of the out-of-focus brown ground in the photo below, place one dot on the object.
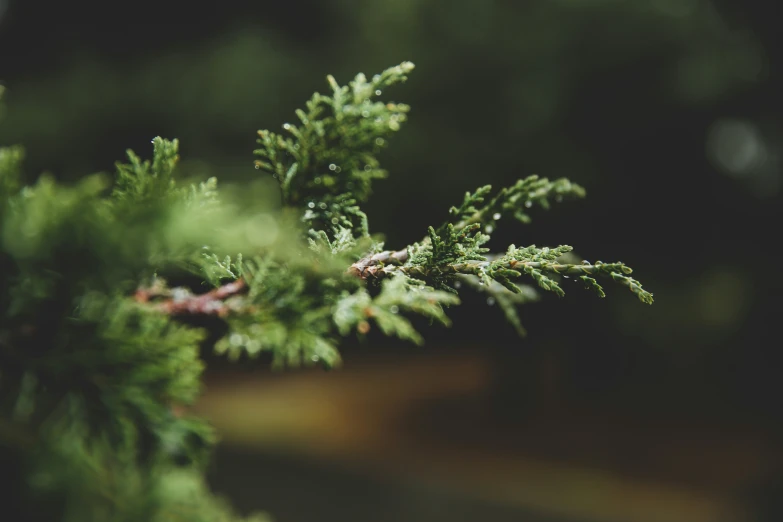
(426, 418)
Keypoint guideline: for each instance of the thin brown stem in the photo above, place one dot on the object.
(181, 302)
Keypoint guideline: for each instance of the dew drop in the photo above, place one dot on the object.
(366, 114)
(315, 358)
(394, 309)
(311, 205)
(496, 216)
(489, 229)
(286, 126)
(379, 141)
(317, 181)
(258, 167)
(528, 203)
(332, 166)
(490, 301)
(322, 206)
(338, 169)
(567, 277)
(378, 92)
(458, 284)
(367, 168)
(334, 221)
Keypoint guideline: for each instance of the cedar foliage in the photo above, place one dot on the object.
(97, 353)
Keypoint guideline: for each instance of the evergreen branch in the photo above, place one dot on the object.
(456, 248)
(512, 200)
(94, 375)
(510, 267)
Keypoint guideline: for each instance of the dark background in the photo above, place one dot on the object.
(667, 111)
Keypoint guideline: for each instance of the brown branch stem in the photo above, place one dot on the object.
(369, 266)
(180, 301)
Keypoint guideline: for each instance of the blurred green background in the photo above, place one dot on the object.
(667, 111)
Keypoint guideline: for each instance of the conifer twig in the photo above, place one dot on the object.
(383, 265)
